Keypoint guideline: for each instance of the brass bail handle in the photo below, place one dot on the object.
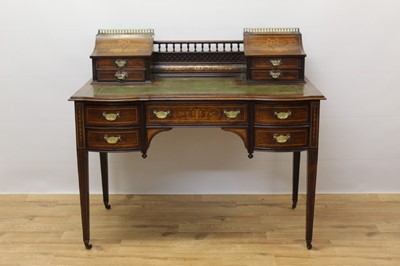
(112, 139)
(232, 114)
(283, 115)
(275, 75)
(281, 139)
(161, 114)
(121, 75)
(120, 62)
(111, 116)
(275, 62)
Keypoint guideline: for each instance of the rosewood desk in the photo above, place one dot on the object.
(267, 117)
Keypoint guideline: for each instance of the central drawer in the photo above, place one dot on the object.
(193, 113)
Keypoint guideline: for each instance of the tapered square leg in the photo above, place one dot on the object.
(295, 182)
(83, 174)
(312, 159)
(104, 178)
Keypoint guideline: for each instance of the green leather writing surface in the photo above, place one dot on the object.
(197, 88)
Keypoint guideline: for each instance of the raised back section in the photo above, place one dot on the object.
(198, 58)
(264, 55)
(274, 54)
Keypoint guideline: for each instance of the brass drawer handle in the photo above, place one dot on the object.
(120, 62)
(281, 139)
(111, 116)
(283, 115)
(275, 75)
(276, 62)
(112, 140)
(161, 114)
(231, 114)
(121, 75)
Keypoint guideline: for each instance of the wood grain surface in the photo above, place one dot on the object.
(200, 230)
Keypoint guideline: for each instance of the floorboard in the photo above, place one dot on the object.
(200, 230)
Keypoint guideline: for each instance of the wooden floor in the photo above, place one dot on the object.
(200, 230)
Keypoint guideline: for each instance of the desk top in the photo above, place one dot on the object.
(204, 88)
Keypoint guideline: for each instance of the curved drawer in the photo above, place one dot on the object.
(272, 114)
(113, 139)
(281, 138)
(99, 115)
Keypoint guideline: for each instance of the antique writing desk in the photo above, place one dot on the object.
(256, 97)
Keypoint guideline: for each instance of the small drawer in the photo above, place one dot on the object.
(281, 138)
(112, 115)
(120, 62)
(113, 139)
(121, 75)
(271, 63)
(281, 114)
(275, 75)
(224, 114)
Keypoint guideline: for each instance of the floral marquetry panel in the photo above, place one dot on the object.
(197, 113)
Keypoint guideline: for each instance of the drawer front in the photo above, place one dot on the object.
(281, 138)
(121, 75)
(272, 63)
(120, 62)
(112, 115)
(281, 114)
(113, 139)
(275, 75)
(197, 114)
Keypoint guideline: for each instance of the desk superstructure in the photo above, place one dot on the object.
(258, 93)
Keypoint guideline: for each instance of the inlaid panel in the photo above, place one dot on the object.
(197, 114)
